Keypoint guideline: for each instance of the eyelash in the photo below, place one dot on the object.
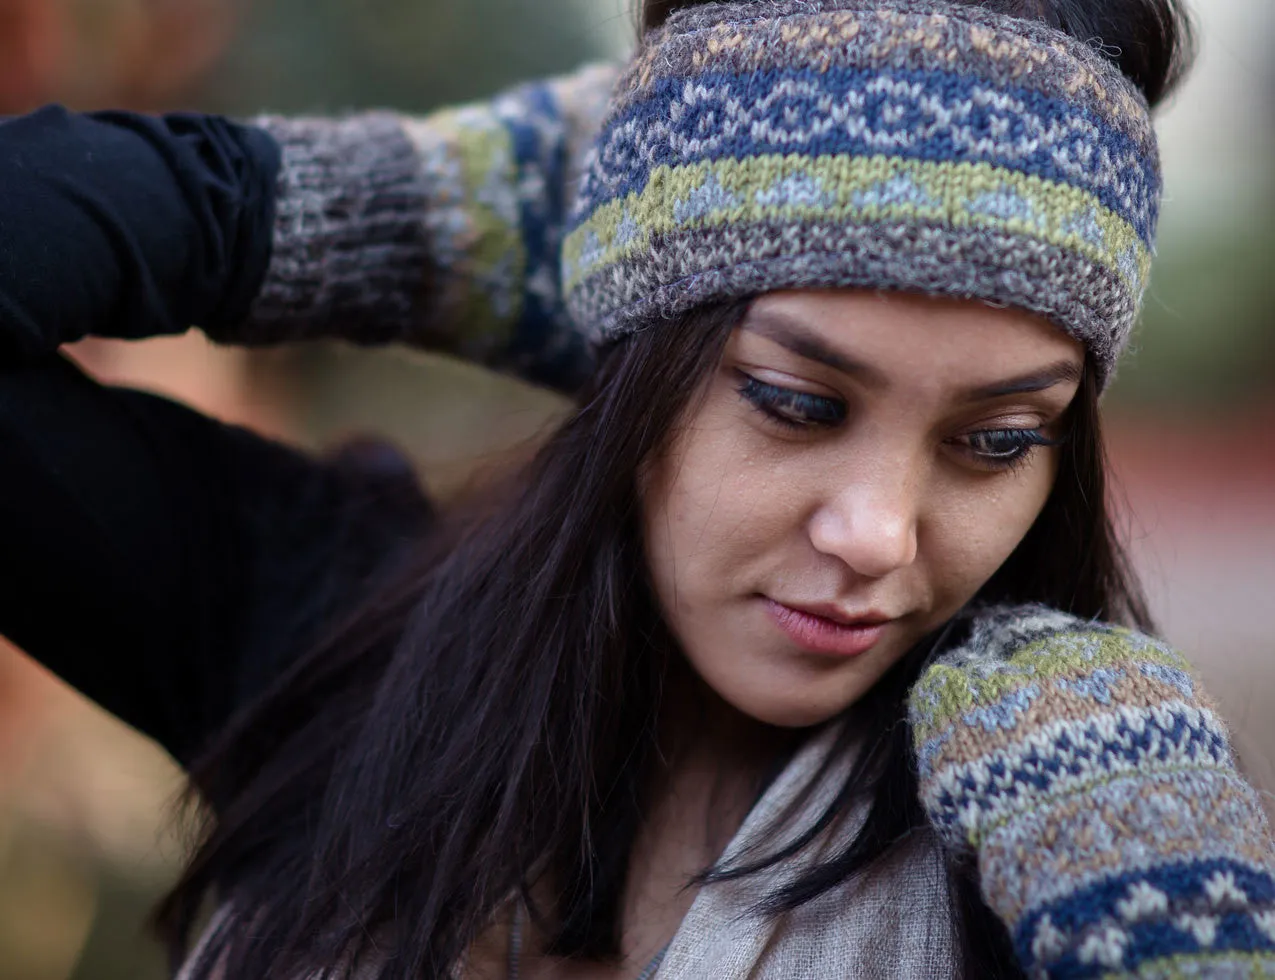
(800, 411)
(792, 409)
(1021, 444)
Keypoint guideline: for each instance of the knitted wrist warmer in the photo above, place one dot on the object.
(899, 144)
(439, 231)
(1097, 787)
(350, 253)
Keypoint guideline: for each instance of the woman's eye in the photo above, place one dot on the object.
(1004, 447)
(794, 409)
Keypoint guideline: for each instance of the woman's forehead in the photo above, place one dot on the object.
(881, 335)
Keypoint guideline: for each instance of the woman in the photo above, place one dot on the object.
(753, 671)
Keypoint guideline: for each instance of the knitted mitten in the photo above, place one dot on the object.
(439, 231)
(1096, 785)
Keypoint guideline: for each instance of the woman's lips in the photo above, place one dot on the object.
(816, 633)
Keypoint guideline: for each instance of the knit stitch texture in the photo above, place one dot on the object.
(1097, 786)
(904, 144)
(440, 231)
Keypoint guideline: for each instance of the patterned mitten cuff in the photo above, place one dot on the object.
(439, 231)
(1096, 785)
(350, 256)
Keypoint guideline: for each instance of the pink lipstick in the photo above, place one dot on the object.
(818, 632)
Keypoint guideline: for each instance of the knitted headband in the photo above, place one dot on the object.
(899, 144)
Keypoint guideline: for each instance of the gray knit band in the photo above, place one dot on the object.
(349, 245)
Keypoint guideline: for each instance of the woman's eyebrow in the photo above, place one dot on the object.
(1038, 380)
(789, 334)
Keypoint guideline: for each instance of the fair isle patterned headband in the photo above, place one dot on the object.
(898, 144)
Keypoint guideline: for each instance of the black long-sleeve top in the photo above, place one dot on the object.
(161, 562)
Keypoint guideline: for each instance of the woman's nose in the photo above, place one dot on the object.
(870, 525)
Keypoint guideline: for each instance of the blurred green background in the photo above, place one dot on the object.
(85, 846)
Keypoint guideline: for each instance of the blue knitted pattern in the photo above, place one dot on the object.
(940, 116)
(440, 231)
(904, 144)
(1098, 788)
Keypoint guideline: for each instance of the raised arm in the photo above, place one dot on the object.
(1095, 784)
(439, 231)
(163, 563)
(123, 225)
(167, 565)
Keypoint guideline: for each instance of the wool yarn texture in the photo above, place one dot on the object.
(915, 145)
(1096, 782)
(439, 231)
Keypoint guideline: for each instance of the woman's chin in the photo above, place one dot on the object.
(790, 688)
(785, 704)
(797, 716)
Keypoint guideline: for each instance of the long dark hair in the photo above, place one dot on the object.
(485, 719)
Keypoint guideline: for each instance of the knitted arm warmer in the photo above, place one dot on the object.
(439, 231)
(1096, 785)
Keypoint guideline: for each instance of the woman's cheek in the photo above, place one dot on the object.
(976, 532)
(716, 503)
(673, 490)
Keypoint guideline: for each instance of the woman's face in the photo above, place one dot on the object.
(858, 467)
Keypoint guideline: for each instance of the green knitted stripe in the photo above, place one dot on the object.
(946, 692)
(1193, 966)
(484, 220)
(858, 190)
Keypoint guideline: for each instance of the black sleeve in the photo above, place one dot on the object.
(168, 565)
(125, 225)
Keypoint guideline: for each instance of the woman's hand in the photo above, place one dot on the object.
(1096, 785)
(441, 231)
